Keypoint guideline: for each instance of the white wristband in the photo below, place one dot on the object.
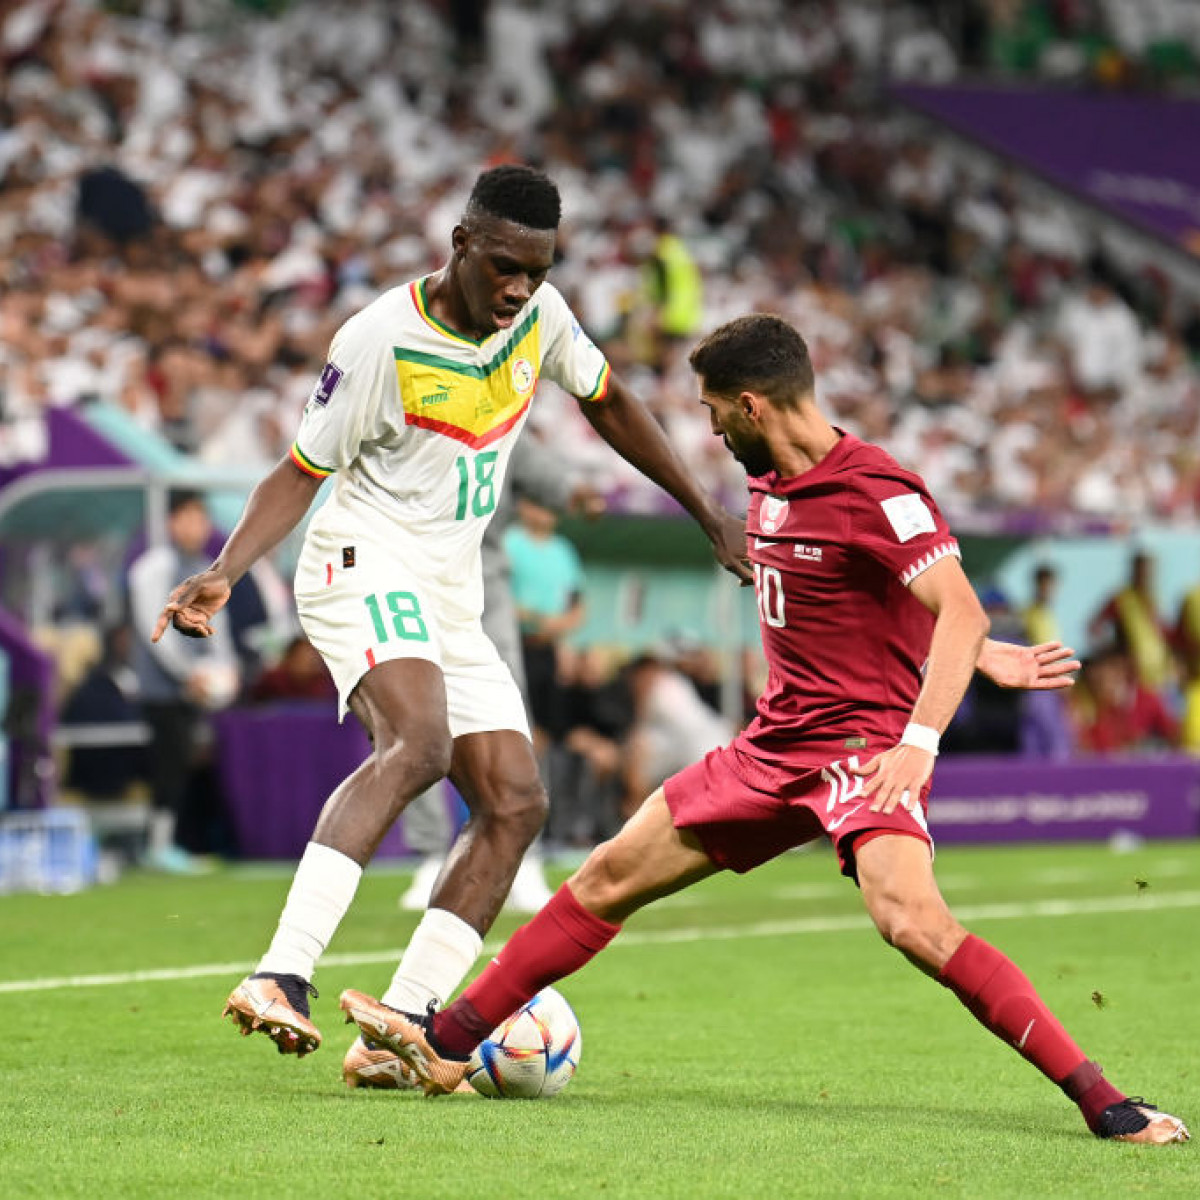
(924, 737)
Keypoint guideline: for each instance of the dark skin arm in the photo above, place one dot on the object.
(625, 423)
(275, 508)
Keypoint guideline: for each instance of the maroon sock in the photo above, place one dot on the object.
(1004, 1001)
(558, 941)
(1089, 1089)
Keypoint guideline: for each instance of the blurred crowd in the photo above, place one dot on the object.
(194, 196)
(1138, 691)
(610, 723)
(192, 199)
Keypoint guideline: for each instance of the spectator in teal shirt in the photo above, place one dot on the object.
(547, 587)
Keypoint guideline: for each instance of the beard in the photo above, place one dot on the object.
(752, 453)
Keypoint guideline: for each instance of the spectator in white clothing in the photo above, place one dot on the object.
(672, 725)
(179, 679)
(1104, 341)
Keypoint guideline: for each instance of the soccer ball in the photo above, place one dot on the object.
(532, 1054)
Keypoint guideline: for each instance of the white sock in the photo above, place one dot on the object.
(161, 833)
(442, 950)
(322, 889)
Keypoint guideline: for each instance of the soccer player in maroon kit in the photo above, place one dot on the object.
(871, 631)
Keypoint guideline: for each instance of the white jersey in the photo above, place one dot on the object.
(419, 422)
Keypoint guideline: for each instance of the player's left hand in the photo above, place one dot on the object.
(728, 536)
(895, 777)
(1045, 667)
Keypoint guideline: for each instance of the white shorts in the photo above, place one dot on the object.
(360, 606)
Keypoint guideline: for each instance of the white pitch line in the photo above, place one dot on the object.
(809, 891)
(1037, 909)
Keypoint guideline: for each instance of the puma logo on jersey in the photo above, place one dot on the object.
(441, 396)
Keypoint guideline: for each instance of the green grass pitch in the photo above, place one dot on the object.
(752, 1037)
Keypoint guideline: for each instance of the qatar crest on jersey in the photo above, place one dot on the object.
(772, 514)
(522, 375)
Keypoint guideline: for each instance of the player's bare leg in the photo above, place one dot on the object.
(895, 873)
(648, 859)
(402, 706)
(902, 896)
(497, 776)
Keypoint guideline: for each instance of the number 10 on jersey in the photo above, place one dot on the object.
(477, 495)
(768, 587)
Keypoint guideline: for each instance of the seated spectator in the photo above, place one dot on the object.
(587, 773)
(672, 727)
(1116, 713)
(181, 682)
(300, 674)
(988, 720)
(107, 695)
(699, 663)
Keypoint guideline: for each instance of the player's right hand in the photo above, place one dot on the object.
(193, 604)
(895, 777)
(729, 545)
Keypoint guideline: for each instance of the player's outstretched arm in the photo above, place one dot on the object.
(625, 423)
(1041, 668)
(274, 509)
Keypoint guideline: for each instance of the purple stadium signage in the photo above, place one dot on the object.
(66, 441)
(1133, 156)
(1015, 800)
(278, 765)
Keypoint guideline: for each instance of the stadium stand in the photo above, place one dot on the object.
(272, 199)
(194, 195)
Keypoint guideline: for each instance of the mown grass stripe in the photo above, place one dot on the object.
(1035, 909)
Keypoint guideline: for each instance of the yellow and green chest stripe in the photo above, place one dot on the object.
(474, 404)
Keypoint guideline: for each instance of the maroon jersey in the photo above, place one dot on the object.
(834, 550)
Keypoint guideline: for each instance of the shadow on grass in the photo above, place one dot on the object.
(662, 1102)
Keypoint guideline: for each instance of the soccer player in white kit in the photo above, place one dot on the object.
(416, 411)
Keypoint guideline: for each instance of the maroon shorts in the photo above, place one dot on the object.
(745, 811)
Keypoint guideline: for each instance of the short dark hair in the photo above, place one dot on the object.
(180, 498)
(518, 193)
(759, 353)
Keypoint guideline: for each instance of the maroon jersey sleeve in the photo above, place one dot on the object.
(894, 519)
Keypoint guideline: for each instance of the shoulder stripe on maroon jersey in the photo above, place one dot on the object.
(940, 551)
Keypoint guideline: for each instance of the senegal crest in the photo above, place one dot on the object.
(522, 376)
